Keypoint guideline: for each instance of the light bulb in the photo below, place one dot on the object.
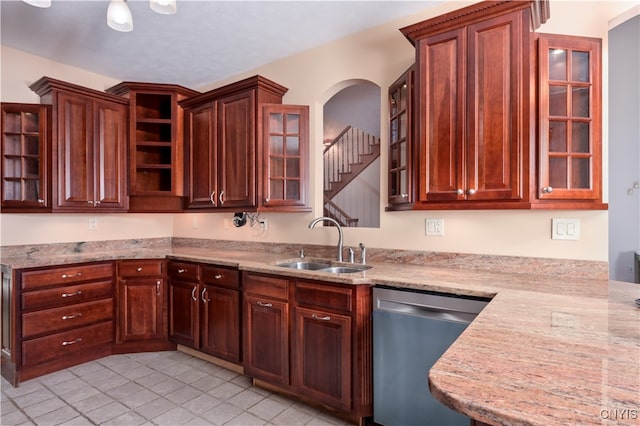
(38, 3)
(165, 7)
(119, 16)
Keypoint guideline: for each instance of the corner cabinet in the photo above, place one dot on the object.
(156, 145)
(570, 114)
(227, 138)
(25, 150)
(89, 147)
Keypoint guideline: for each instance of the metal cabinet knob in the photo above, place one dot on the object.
(471, 191)
(460, 191)
(547, 190)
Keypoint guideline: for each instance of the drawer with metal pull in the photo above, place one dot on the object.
(218, 275)
(66, 295)
(184, 271)
(71, 274)
(140, 268)
(58, 319)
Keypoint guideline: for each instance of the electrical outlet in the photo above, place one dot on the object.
(565, 229)
(264, 225)
(93, 224)
(434, 227)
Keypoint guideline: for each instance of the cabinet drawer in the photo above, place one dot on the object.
(323, 296)
(56, 319)
(266, 286)
(140, 268)
(220, 276)
(67, 295)
(64, 344)
(184, 271)
(70, 274)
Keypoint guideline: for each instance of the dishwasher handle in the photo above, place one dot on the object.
(426, 311)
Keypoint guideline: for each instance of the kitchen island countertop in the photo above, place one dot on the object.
(547, 350)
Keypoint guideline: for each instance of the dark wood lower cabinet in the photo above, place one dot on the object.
(220, 321)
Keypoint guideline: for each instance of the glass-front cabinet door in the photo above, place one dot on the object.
(286, 157)
(570, 118)
(400, 140)
(25, 146)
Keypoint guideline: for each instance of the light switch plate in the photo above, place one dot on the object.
(434, 227)
(565, 229)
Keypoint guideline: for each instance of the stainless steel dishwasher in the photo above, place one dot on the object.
(411, 330)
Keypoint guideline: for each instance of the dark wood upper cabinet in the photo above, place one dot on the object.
(229, 141)
(89, 147)
(25, 150)
(156, 144)
(570, 118)
(479, 86)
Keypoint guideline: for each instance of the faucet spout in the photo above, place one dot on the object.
(315, 221)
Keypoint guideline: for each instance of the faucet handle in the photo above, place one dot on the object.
(301, 253)
(351, 255)
(363, 254)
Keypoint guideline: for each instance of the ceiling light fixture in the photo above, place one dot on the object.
(38, 3)
(164, 7)
(119, 16)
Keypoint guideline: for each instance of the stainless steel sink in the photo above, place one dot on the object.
(303, 264)
(322, 266)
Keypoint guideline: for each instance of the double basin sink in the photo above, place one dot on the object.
(324, 266)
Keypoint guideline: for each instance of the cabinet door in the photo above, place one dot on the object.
(184, 313)
(496, 96)
(441, 116)
(73, 156)
(570, 118)
(285, 158)
(322, 353)
(266, 339)
(220, 322)
(24, 151)
(202, 140)
(401, 138)
(236, 151)
(140, 303)
(109, 155)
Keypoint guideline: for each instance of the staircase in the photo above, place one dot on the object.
(345, 157)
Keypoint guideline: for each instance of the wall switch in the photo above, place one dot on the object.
(93, 224)
(434, 227)
(565, 229)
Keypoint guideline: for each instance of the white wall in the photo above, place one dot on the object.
(312, 77)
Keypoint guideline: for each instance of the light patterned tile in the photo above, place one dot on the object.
(44, 407)
(191, 375)
(268, 408)
(184, 394)
(152, 379)
(155, 408)
(110, 383)
(66, 386)
(24, 388)
(245, 419)
(241, 380)
(129, 418)
(52, 379)
(92, 402)
(225, 374)
(86, 368)
(201, 404)
(56, 417)
(222, 413)
(33, 398)
(207, 384)
(79, 394)
(140, 398)
(173, 417)
(292, 416)
(14, 418)
(167, 386)
(107, 412)
(123, 391)
(225, 391)
(245, 399)
(7, 407)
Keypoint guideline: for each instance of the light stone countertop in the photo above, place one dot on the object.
(548, 350)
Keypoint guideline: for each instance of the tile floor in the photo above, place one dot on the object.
(153, 388)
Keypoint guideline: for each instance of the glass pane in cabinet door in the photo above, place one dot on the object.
(276, 145)
(580, 137)
(394, 107)
(31, 123)
(580, 101)
(12, 145)
(394, 183)
(580, 66)
(293, 146)
(12, 122)
(403, 182)
(558, 172)
(276, 189)
(31, 145)
(394, 130)
(558, 100)
(12, 167)
(580, 173)
(557, 64)
(403, 98)
(12, 190)
(293, 168)
(276, 167)
(403, 126)
(32, 190)
(293, 123)
(557, 136)
(276, 123)
(292, 189)
(394, 156)
(403, 154)
(32, 168)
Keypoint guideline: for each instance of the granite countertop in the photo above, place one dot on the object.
(547, 350)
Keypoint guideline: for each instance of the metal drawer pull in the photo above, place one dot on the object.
(181, 271)
(217, 276)
(220, 197)
(139, 269)
(212, 198)
(193, 294)
(202, 296)
(66, 317)
(75, 293)
(71, 342)
(265, 305)
(79, 274)
(158, 288)
(325, 318)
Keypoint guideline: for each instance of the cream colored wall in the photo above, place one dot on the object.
(379, 56)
